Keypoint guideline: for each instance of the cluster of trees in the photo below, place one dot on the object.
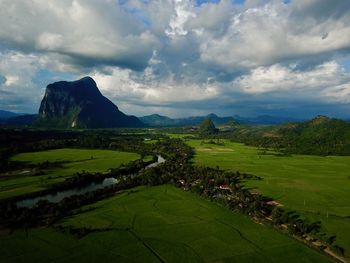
(301, 227)
(296, 225)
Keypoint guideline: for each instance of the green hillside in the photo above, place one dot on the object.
(319, 136)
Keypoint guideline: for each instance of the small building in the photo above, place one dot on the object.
(225, 187)
(182, 182)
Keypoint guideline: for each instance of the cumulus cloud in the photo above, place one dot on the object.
(320, 10)
(211, 17)
(273, 33)
(89, 32)
(147, 90)
(17, 72)
(183, 11)
(181, 56)
(281, 78)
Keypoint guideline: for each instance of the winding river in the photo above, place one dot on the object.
(59, 196)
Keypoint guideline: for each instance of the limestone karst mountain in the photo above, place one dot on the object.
(80, 104)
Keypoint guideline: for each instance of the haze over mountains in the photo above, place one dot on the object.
(80, 104)
(157, 120)
(7, 114)
(8, 118)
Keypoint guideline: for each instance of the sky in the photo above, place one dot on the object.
(182, 58)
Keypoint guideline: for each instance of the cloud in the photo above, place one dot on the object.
(50, 41)
(89, 32)
(268, 90)
(144, 88)
(183, 11)
(276, 33)
(213, 18)
(94, 33)
(320, 10)
(23, 80)
(17, 87)
(181, 56)
(277, 78)
(2, 80)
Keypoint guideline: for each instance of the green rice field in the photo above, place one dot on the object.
(317, 187)
(157, 224)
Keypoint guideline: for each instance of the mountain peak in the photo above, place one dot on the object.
(156, 115)
(83, 87)
(319, 119)
(88, 79)
(212, 115)
(80, 104)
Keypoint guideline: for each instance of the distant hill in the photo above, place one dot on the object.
(7, 114)
(265, 119)
(207, 127)
(320, 126)
(80, 104)
(320, 136)
(21, 120)
(156, 120)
